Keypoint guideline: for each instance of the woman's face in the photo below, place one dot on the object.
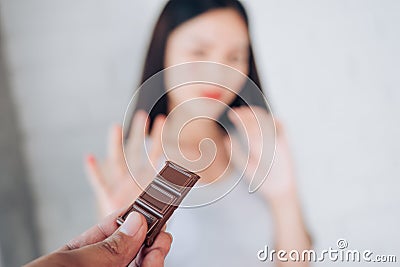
(220, 36)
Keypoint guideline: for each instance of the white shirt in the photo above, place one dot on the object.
(228, 232)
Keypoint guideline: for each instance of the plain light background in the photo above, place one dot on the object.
(332, 75)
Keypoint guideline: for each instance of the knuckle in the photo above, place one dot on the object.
(113, 245)
(71, 246)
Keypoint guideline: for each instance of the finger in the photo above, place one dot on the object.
(247, 121)
(118, 249)
(280, 130)
(254, 123)
(96, 233)
(95, 174)
(238, 155)
(236, 116)
(250, 121)
(265, 153)
(155, 255)
(115, 144)
(156, 134)
(138, 126)
(137, 135)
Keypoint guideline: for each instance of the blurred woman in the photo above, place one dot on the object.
(232, 230)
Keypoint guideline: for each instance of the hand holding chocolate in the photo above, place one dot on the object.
(162, 197)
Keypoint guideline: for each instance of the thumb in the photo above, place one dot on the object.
(120, 248)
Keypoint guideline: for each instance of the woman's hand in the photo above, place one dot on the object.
(111, 180)
(256, 125)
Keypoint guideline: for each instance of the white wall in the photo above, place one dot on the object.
(332, 73)
(332, 68)
(73, 66)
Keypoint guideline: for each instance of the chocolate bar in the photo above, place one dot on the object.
(162, 197)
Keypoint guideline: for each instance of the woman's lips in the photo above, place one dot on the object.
(212, 94)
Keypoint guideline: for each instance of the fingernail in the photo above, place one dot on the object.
(231, 114)
(141, 114)
(90, 158)
(117, 127)
(132, 224)
(159, 118)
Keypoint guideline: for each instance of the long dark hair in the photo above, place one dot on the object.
(175, 13)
